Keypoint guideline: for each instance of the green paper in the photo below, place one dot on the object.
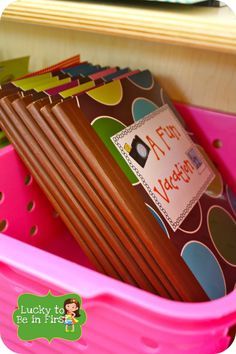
(11, 69)
(44, 317)
(33, 84)
(32, 79)
(75, 90)
(50, 85)
(106, 127)
(3, 140)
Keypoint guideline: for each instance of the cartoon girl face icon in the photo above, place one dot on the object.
(71, 308)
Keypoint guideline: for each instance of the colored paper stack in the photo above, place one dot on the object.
(67, 123)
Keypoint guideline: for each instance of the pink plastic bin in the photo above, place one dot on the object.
(212, 127)
(41, 255)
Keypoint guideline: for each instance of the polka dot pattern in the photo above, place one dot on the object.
(143, 80)
(106, 127)
(206, 268)
(222, 229)
(159, 220)
(119, 104)
(194, 221)
(142, 107)
(110, 94)
(232, 199)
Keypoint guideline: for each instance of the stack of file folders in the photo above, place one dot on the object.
(69, 123)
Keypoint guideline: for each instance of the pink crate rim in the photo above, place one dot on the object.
(20, 256)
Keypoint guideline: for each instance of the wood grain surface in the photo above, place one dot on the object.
(191, 75)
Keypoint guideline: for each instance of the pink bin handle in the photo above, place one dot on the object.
(34, 263)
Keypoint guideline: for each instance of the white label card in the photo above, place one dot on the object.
(166, 162)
